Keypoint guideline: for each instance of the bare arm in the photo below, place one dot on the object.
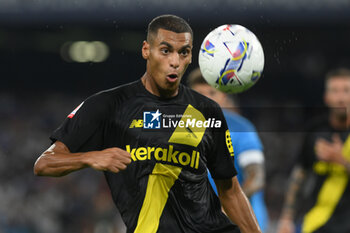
(236, 205)
(286, 222)
(57, 160)
(254, 178)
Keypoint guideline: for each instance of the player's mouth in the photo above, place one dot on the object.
(172, 78)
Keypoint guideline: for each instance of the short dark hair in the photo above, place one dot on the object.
(195, 77)
(168, 22)
(339, 72)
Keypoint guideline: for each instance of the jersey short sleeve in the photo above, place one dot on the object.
(82, 130)
(242, 132)
(221, 160)
(245, 139)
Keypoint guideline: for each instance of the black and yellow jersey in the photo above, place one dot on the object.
(172, 142)
(329, 201)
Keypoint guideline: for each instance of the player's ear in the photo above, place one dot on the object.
(145, 50)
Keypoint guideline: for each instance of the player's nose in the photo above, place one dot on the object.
(174, 60)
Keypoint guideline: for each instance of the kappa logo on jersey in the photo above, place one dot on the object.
(151, 120)
(71, 115)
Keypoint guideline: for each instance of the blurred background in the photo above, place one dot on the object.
(54, 54)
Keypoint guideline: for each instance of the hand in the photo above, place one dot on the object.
(330, 151)
(285, 225)
(111, 159)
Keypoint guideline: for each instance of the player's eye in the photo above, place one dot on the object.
(184, 52)
(165, 50)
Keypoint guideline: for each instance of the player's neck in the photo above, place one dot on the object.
(152, 87)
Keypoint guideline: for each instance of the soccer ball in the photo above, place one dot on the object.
(231, 58)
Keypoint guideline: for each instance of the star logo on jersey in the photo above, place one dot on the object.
(151, 120)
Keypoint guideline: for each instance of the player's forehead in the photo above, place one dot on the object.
(338, 81)
(164, 37)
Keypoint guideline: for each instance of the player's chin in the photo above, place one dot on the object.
(171, 87)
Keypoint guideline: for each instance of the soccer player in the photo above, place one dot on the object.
(249, 157)
(149, 138)
(325, 157)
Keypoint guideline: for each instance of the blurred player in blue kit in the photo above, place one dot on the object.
(248, 149)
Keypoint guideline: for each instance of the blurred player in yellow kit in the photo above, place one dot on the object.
(325, 156)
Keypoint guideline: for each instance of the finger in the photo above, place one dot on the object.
(119, 166)
(121, 152)
(118, 152)
(115, 150)
(122, 166)
(323, 148)
(114, 169)
(325, 153)
(319, 146)
(126, 155)
(336, 138)
(322, 141)
(127, 161)
(321, 156)
(124, 158)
